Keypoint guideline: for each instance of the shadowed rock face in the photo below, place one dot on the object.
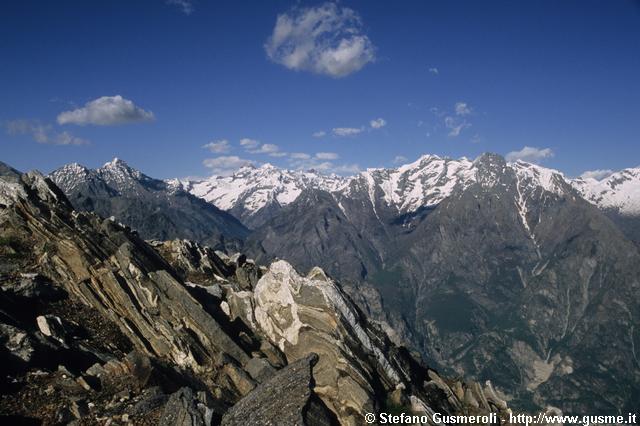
(265, 405)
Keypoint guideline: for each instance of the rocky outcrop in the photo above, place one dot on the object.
(112, 293)
(193, 262)
(301, 314)
(108, 267)
(287, 398)
(183, 409)
(358, 369)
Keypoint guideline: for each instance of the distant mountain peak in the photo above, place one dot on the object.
(118, 173)
(116, 162)
(155, 208)
(619, 192)
(422, 183)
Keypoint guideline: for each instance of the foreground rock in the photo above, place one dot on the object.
(287, 398)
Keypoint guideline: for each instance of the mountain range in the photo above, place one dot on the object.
(251, 192)
(511, 272)
(152, 207)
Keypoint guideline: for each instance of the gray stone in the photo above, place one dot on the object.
(182, 410)
(17, 342)
(285, 399)
(259, 369)
(51, 326)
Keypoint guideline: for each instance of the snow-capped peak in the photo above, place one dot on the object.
(424, 182)
(118, 172)
(537, 176)
(71, 175)
(254, 188)
(116, 162)
(406, 188)
(619, 191)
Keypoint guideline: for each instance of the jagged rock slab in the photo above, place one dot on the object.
(285, 399)
(112, 270)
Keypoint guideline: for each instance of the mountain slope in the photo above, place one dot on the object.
(530, 278)
(618, 195)
(251, 194)
(490, 266)
(154, 208)
(619, 191)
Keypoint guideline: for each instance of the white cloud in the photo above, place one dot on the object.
(253, 146)
(218, 147)
(42, 133)
(477, 138)
(326, 167)
(346, 131)
(319, 134)
(400, 159)
(106, 111)
(268, 148)
(378, 123)
(66, 138)
(249, 143)
(530, 154)
(322, 162)
(327, 39)
(327, 156)
(455, 126)
(437, 112)
(185, 5)
(434, 70)
(462, 109)
(225, 165)
(343, 169)
(300, 156)
(597, 174)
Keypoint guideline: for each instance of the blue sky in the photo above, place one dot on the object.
(162, 84)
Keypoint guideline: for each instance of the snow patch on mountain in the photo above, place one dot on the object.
(255, 188)
(620, 191)
(422, 183)
(537, 176)
(116, 173)
(70, 176)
